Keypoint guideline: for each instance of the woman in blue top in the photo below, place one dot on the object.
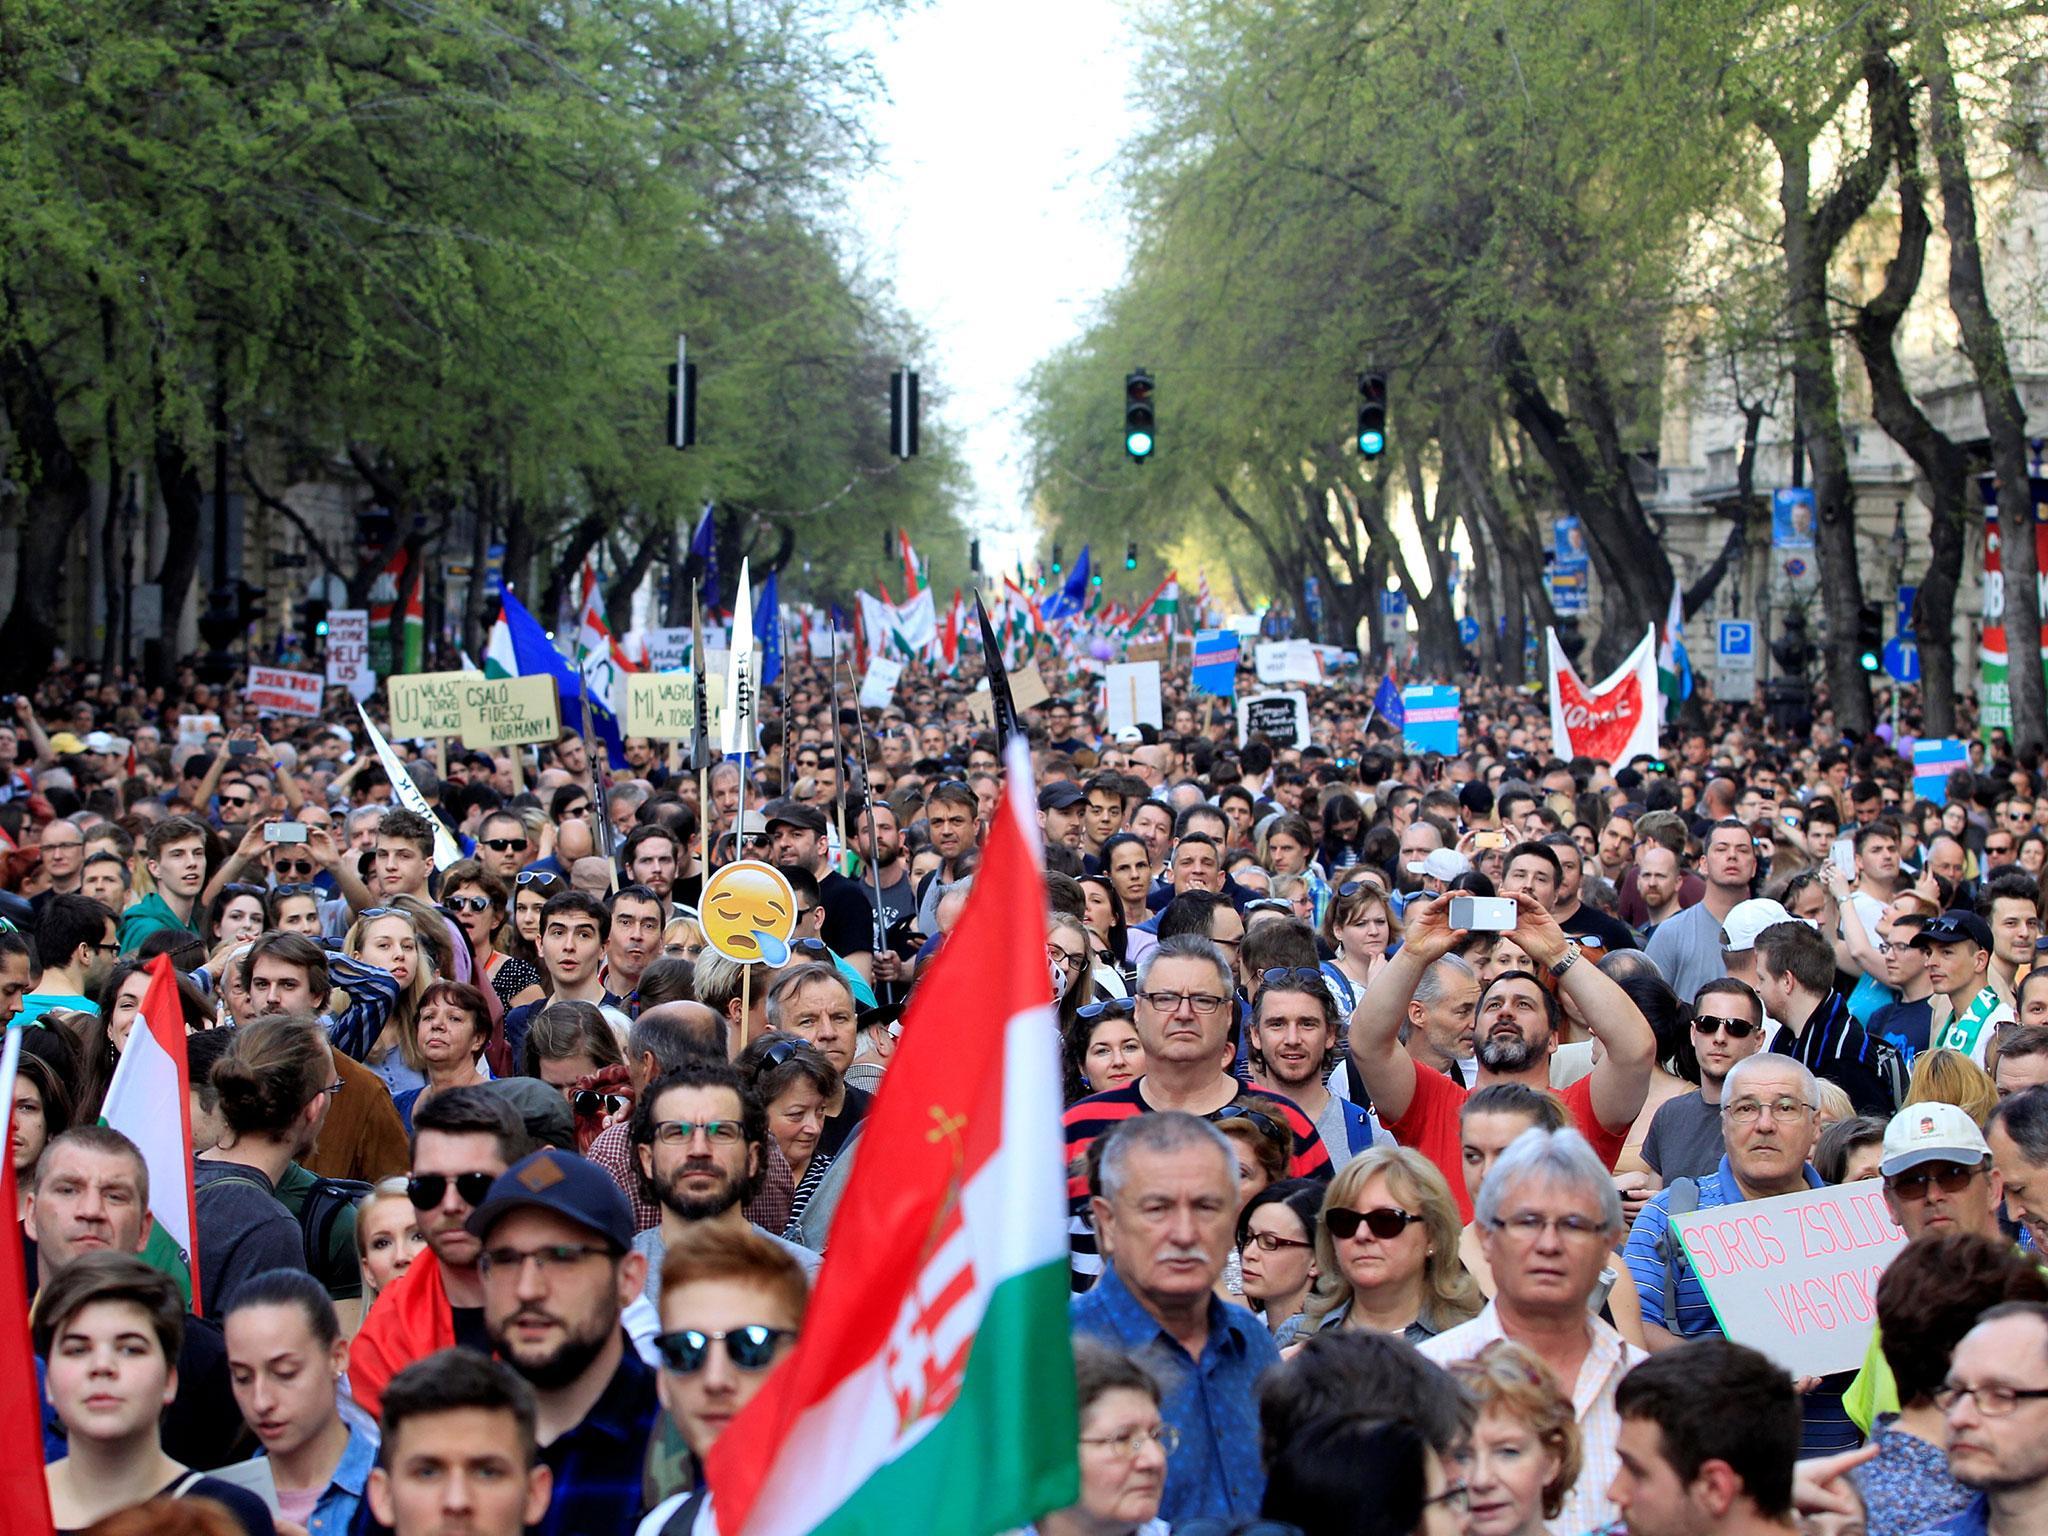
(286, 1358)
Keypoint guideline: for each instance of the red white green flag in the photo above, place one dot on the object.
(933, 1386)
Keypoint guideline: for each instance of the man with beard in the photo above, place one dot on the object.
(1687, 948)
(700, 1137)
(880, 841)
(1293, 1044)
(559, 1269)
(1516, 1034)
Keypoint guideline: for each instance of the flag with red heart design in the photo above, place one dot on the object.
(1615, 719)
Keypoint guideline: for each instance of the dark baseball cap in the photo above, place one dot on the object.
(793, 813)
(1953, 927)
(1060, 795)
(573, 1187)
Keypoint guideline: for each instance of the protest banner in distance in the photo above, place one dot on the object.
(661, 706)
(348, 652)
(1132, 696)
(668, 649)
(1934, 759)
(1215, 673)
(1145, 650)
(1796, 1275)
(285, 693)
(1280, 717)
(1286, 661)
(1430, 719)
(878, 688)
(427, 704)
(509, 711)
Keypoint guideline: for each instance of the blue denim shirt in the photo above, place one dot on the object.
(335, 1512)
(1212, 1401)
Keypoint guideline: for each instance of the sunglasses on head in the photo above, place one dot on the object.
(1291, 976)
(587, 1102)
(1385, 1222)
(427, 1190)
(538, 877)
(1735, 1029)
(301, 888)
(780, 1052)
(817, 947)
(1264, 1123)
(751, 1348)
(1112, 1008)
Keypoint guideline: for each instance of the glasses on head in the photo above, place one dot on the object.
(469, 903)
(1273, 1242)
(1126, 1446)
(1290, 976)
(1202, 1003)
(1992, 1402)
(750, 1348)
(553, 1258)
(1111, 1008)
(1949, 1178)
(781, 1051)
(243, 888)
(1528, 1226)
(1734, 1029)
(1784, 1107)
(507, 844)
(427, 1190)
(816, 948)
(1262, 1122)
(1385, 1222)
(538, 877)
(720, 1133)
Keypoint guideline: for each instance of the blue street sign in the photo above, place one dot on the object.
(1393, 603)
(1468, 631)
(1902, 660)
(1736, 639)
(1906, 597)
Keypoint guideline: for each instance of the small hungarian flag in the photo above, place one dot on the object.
(1164, 601)
(148, 1102)
(933, 1386)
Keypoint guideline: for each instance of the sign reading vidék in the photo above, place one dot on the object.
(1796, 1276)
(509, 711)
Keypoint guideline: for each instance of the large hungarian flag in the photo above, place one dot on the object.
(24, 1496)
(148, 1102)
(933, 1386)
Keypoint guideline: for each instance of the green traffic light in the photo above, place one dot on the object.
(1138, 444)
(1371, 443)
(1868, 661)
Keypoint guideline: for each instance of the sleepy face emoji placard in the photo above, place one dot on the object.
(749, 913)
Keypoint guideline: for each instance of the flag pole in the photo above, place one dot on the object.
(700, 731)
(867, 790)
(600, 777)
(838, 742)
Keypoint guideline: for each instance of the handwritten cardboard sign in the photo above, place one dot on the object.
(509, 711)
(348, 652)
(285, 693)
(1796, 1276)
(662, 706)
(1286, 661)
(427, 704)
(1281, 718)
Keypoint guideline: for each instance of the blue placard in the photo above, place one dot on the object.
(1430, 719)
(1735, 640)
(1216, 652)
(1933, 762)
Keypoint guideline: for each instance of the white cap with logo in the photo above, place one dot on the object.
(1931, 1133)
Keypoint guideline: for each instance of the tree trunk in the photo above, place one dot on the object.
(2005, 421)
(184, 498)
(56, 498)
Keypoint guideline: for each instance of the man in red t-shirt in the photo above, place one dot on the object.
(1516, 1034)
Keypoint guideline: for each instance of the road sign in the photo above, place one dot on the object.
(1902, 660)
(1734, 658)
(1906, 599)
(1736, 640)
(1468, 631)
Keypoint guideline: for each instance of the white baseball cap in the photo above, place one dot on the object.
(1931, 1133)
(1444, 864)
(1747, 919)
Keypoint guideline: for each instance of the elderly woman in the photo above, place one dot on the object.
(1124, 1446)
(1524, 1452)
(450, 1033)
(1387, 1250)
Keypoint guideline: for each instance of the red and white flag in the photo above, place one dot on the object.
(24, 1496)
(1616, 718)
(148, 1102)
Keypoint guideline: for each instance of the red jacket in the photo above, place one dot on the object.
(408, 1322)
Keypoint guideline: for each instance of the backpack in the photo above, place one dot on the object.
(317, 1213)
(1685, 1199)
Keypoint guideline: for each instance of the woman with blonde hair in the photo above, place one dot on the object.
(387, 937)
(683, 938)
(1387, 1250)
(388, 1236)
(1525, 1451)
(1943, 1076)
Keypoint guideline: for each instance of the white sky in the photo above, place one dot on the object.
(994, 212)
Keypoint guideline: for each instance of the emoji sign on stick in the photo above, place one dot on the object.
(749, 913)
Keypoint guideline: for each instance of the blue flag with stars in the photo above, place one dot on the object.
(1387, 701)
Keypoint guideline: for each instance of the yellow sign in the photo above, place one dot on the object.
(749, 912)
(509, 711)
(661, 706)
(427, 703)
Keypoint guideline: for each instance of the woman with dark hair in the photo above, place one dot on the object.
(449, 1036)
(1849, 1150)
(572, 1047)
(795, 1083)
(236, 915)
(1276, 1246)
(1348, 1476)
(1342, 841)
(1103, 916)
(477, 900)
(42, 1109)
(1103, 1050)
(532, 889)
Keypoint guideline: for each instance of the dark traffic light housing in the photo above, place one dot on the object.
(1139, 426)
(1372, 415)
(1870, 636)
(1131, 555)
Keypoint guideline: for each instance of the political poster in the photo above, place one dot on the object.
(1934, 759)
(661, 706)
(427, 704)
(348, 652)
(1569, 564)
(668, 649)
(1286, 661)
(1131, 696)
(509, 711)
(1792, 517)
(878, 688)
(1796, 1276)
(1430, 719)
(1281, 718)
(279, 692)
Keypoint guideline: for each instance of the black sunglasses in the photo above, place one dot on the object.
(1291, 976)
(1737, 1029)
(1264, 1123)
(812, 946)
(427, 1190)
(1118, 1008)
(587, 1102)
(1385, 1222)
(469, 903)
(751, 1348)
(506, 844)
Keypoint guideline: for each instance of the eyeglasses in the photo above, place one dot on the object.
(751, 1348)
(538, 876)
(1746, 1111)
(1528, 1226)
(720, 1133)
(817, 947)
(507, 844)
(1385, 1222)
(553, 1258)
(1203, 1003)
(1262, 1122)
(1066, 959)
(470, 903)
(1290, 976)
(1111, 1008)
(1126, 1446)
(1734, 1029)
(587, 1102)
(1992, 1402)
(1949, 1178)
(1273, 1242)
(1458, 1496)
(427, 1190)
(333, 1088)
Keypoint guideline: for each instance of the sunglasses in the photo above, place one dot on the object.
(507, 844)
(538, 876)
(1949, 1178)
(1291, 976)
(1264, 1123)
(751, 1348)
(1113, 1008)
(587, 1102)
(1735, 1029)
(781, 1051)
(1385, 1222)
(427, 1190)
(816, 947)
(300, 888)
(293, 867)
(469, 903)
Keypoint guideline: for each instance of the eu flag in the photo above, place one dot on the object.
(1387, 702)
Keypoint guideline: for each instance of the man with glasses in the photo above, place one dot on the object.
(76, 941)
(732, 1304)
(63, 853)
(462, 1140)
(502, 846)
(1969, 1012)
(1908, 1023)
(1996, 1402)
(558, 1270)
(1186, 1002)
(1685, 1137)
(1770, 1120)
(700, 1143)
(1548, 1216)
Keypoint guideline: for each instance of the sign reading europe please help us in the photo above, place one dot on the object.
(1796, 1276)
(279, 692)
(1430, 719)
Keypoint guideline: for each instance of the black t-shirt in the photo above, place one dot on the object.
(849, 916)
(470, 1332)
(689, 890)
(248, 1511)
(1611, 933)
(840, 1126)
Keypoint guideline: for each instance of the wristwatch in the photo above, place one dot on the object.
(1565, 961)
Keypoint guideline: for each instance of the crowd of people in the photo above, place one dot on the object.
(1387, 1073)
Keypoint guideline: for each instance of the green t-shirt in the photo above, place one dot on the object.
(341, 1271)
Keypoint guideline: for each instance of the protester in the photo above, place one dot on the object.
(1524, 1452)
(1276, 1244)
(1386, 1251)
(388, 1236)
(458, 1451)
(1706, 1443)
(1993, 1397)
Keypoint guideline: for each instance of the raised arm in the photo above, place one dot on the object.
(321, 845)
(372, 993)
(1628, 1046)
(1379, 1059)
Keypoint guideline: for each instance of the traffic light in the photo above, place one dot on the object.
(974, 555)
(313, 616)
(1138, 422)
(1055, 559)
(1095, 580)
(1131, 555)
(682, 397)
(1870, 636)
(1372, 414)
(1793, 650)
(903, 413)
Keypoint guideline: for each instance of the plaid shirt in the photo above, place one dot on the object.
(597, 1464)
(769, 1209)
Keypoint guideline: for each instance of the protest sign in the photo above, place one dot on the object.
(427, 704)
(1796, 1276)
(1145, 650)
(285, 693)
(1286, 661)
(1132, 690)
(1934, 759)
(348, 652)
(668, 649)
(1430, 719)
(1215, 673)
(508, 711)
(661, 706)
(1280, 717)
(878, 688)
